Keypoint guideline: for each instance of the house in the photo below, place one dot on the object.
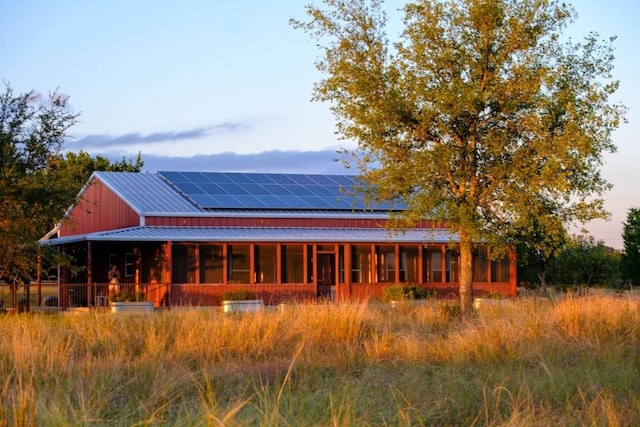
(184, 238)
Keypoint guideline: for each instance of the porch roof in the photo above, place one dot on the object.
(257, 235)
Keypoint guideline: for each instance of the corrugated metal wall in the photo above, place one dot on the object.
(99, 210)
(275, 222)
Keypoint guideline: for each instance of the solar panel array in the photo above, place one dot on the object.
(233, 190)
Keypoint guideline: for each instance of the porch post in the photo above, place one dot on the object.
(169, 274)
(396, 260)
(314, 270)
(63, 282)
(347, 270)
(39, 276)
(90, 292)
(421, 263)
(305, 263)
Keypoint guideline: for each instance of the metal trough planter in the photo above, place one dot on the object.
(132, 307)
(242, 306)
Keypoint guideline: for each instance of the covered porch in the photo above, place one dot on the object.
(173, 266)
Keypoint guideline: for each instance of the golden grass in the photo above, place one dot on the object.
(532, 361)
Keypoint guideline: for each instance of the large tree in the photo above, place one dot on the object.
(630, 262)
(478, 112)
(37, 181)
(585, 262)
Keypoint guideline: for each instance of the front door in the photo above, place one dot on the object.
(326, 275)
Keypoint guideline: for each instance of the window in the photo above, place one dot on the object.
(265, 263)
(211, 264)
(183, 263)
(128, 264)
(500, 270)
(239, 262)
(479, 264)
(292, 264)
(433, 264)
(386, 263)
(341, 266)
(409, 260)
(361, 264)
(310, 268)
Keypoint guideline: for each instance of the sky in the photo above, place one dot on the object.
(226, 85)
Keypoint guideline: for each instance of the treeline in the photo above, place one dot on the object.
(583, 262)
(38, 180)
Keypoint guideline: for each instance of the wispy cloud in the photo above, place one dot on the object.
(324, 161)
(105, 141)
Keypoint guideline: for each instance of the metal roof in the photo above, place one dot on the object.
(147, 193)
(211, 193)
(266, 234)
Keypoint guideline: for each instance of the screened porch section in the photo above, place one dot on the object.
(366, 268)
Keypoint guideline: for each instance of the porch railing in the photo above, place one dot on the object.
(21, 298)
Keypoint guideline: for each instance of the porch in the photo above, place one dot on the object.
(54, 297)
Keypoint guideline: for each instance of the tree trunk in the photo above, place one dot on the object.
(542, 276)
(466, 285)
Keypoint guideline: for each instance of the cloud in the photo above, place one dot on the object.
(106, 141)
(273, 161)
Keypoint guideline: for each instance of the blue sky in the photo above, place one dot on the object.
(226, 84)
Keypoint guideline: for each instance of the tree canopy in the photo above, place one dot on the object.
(584, 262)
(478, 113)
(630, 262)
(37, 181)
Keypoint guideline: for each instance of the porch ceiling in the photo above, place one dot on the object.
(257, 235)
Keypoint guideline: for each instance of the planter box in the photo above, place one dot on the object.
(412, 303)
(246, 306)
(132, 307)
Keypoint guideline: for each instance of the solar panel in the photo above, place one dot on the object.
(263, 178)
(241, 178)
(233, 190)
(300, 179)
(252, 201)
(287, 179)
(257, 189)
(203, 199)
(175, 177)
(216, 177)
(212, 188)
(225, 202)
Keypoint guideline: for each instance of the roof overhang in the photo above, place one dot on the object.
(258, 235)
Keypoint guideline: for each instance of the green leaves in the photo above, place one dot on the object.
(630, 261)
(37, 182)
(475, 113)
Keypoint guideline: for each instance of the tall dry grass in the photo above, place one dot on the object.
(569, 361)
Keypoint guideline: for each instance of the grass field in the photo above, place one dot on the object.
(528, 362)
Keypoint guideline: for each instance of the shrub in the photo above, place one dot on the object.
(238, 295)
(493, 295)
(397, 292)
(126, 296)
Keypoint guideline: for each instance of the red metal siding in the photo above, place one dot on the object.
(99, 209)
(274, 222)
(366, 291)
(197, 295)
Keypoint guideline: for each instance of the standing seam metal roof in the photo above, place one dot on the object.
(147, 193)
(209, 193)
(266, 234)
